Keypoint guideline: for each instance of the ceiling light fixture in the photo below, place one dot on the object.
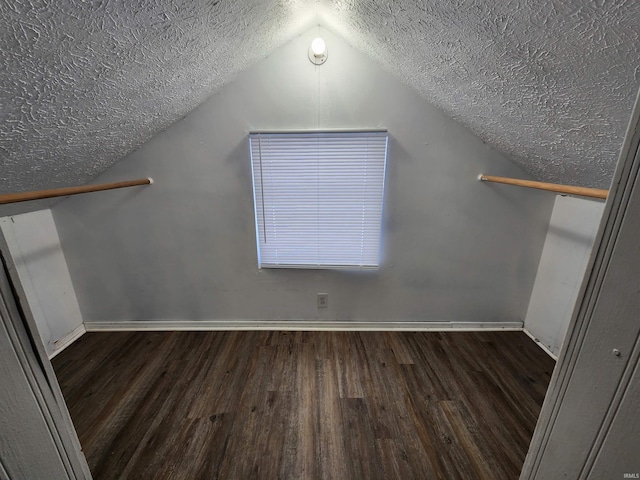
(318, 51)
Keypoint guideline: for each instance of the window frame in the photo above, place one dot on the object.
(379, 139)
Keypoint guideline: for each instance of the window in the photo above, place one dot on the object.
(318, 198)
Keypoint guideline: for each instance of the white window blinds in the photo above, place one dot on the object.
(318, 198)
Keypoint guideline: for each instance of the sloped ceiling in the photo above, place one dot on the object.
(551, 84)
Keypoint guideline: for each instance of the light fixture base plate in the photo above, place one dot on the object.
(317, 59)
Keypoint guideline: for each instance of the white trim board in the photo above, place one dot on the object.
(305, 325)
(67, 340)
(540, 344)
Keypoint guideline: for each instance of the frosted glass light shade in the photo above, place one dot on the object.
(318, 46)
(318, 51)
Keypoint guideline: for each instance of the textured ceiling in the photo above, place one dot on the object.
(551, 84)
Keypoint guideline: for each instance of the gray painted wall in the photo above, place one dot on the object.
(184, 248)
(572, 230)
(35, 247)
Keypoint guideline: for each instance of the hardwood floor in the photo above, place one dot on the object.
(294, 405)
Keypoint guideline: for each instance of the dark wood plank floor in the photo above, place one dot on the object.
(294, 405)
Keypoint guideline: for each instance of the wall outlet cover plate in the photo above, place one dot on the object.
(323, 300)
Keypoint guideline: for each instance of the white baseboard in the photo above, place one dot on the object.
(306, 325)
(67, 340)
(540, 344)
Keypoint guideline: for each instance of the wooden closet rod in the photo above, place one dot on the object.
(552, 187)
(63, 192)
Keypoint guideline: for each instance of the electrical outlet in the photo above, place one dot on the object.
(323, 300)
